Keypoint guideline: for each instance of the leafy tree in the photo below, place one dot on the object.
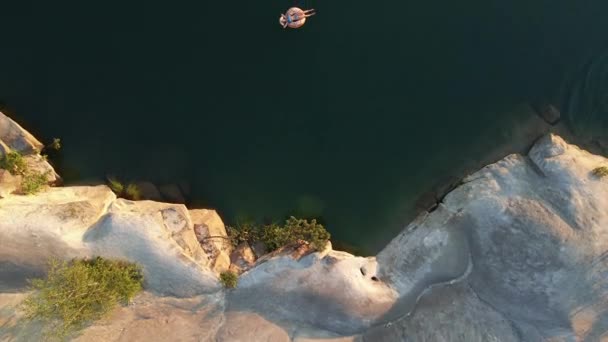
(229, 279)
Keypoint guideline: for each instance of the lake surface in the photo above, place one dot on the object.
(349, 119)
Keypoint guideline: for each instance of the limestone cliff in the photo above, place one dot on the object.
(517, 252)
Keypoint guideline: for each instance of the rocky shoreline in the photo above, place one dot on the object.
(515, 252)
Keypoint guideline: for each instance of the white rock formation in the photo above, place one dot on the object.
(516, 253)
(88, 221)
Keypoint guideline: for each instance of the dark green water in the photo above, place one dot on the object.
(350, 118)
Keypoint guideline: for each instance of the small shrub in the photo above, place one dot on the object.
(34, 182)
(229, 279)
(296, 229)
(275, 237)
(78, 292)
(116, 186)
(244, 232)
(55, 145)
(14, 163)
(132, 192)
(600, 172)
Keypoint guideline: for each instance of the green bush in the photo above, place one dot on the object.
(300, 229)
(244, 232)
(600, 172)
(229, 279)
(78, 292)
(275, 236)
(34, 182)
(132, 192)
(55, 145)
(14, 163)
(116, 186)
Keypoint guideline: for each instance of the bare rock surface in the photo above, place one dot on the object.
(16, 138)
(8, 183)
(211, 234)
(159, 236)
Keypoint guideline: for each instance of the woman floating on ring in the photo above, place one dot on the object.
(295, 17)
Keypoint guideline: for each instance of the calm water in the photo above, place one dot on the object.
(350, 118)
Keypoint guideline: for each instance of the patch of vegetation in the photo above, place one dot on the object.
(275, 236)
(300, 229)
(33, 182)
(116, 186)
(78, 292)
(131, 191)
(244, 232)
(55, 145)
(600, 172)
(14, 163)
(229, 279)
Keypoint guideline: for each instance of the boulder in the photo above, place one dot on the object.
(328, 290)
(160, 237)
(242, 258)
(172, 193)
(37, 163)
(17, 138)
(211, 234)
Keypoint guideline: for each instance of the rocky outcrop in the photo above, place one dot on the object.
(211, 234)
(86, 221)
(516, 252)
(16, 138)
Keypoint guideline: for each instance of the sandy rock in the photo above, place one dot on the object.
(36, 163)
(8, 183)
(327, 282)
(17, 138)
(4, 149)
(172, 193)
(211, 234)
(538, 236)
(49, 224)
(447, 313)
(242, 258)
(159, 236)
